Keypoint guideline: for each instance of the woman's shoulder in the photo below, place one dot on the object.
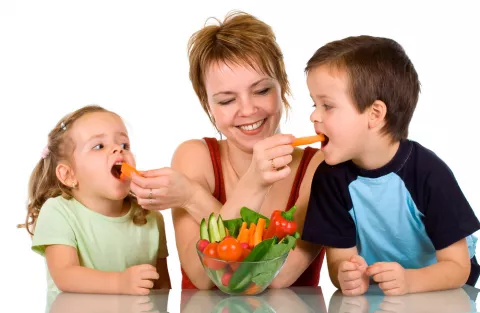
(193, 158)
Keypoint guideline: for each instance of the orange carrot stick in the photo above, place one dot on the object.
(302, 141)
(259, 231)
(243, 234)
(251, 237)
(127, 170)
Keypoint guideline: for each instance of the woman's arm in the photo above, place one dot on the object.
(300, 259)
(192, 158)
(70, 276)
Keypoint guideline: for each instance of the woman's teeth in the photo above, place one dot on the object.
(252, 126)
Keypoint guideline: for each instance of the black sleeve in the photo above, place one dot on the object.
(327, 221)
(448, 215)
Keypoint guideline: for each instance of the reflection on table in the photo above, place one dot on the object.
(297, 300)
(64, 302)
(448, 301)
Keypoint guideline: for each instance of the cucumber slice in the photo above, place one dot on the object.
(221, 228)
(204, 230)
(213, 229)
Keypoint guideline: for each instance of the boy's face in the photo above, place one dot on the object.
(335, 115)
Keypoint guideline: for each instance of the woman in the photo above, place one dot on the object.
(238, 73)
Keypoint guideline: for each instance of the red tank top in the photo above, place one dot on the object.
(311, 276)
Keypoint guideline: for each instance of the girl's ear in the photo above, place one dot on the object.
(66, 175)
(376, 114)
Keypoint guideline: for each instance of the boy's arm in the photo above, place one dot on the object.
(335, 256)
(451, 270)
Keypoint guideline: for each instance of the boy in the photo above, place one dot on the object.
(386, 208)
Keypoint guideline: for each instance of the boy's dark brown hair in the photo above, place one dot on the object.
(378, 69)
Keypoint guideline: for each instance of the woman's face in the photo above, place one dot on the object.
(245, 103)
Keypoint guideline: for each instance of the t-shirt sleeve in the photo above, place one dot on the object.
(52, 227)
(162, 240)
(327, 221)
(448, 215)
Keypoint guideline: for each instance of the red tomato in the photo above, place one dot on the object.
(210, 253)
(226, 278)
(235, 265)
(202, 244)
(229, 250)
(245, 245)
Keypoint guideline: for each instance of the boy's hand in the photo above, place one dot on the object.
(137, 280)
(352, 276)
(390, 277)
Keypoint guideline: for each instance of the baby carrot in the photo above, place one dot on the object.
(127, 170)
(251, 237)
(259, 231)
(243, 234)
(302, 141)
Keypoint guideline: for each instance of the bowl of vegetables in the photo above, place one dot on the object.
(242, 256)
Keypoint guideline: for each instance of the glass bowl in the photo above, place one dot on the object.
(241, 278)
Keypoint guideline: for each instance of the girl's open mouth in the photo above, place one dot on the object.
(116, 170)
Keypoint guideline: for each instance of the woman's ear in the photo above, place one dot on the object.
(66, 175)
(376, 114)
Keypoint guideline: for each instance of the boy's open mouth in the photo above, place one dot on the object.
(116, 170)
(325, 142)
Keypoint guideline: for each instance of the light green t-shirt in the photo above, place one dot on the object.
(110, 244)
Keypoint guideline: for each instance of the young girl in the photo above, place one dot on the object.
(93, 234)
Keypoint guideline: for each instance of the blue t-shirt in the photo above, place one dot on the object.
(402, 212)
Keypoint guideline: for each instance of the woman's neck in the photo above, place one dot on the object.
(239, 160)
(107, 207)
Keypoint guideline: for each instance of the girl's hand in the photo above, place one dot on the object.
(162, 189)
(137, 280)
(271, 157)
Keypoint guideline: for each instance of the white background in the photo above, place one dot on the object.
(131, 57)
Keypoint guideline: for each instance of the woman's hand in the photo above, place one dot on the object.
(162, 189)
(271, 157)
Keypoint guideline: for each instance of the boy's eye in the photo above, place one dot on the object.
(98, 147)
(263, 91)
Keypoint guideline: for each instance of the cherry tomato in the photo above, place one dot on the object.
(226, 278)
(235, 265)
(210, 254)
(229, 250)
(202, 244)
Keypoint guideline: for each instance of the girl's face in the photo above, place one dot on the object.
(245, 103)
(100, 144)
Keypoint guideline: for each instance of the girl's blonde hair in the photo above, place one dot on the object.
(44, 183)
(240, 39)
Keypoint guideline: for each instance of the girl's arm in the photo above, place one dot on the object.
(69, 276)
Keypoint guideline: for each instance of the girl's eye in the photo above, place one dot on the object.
(98, 147)
(314, 105)
(327, 107)
(226, 102)
(263, 91)
(125, 146)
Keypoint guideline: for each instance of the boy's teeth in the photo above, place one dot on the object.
(252, 126)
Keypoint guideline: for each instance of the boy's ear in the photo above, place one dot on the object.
(376, 114)
(66, 175)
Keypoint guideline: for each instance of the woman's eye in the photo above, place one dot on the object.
(98, 147)
(263, 91)
(226, 102)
